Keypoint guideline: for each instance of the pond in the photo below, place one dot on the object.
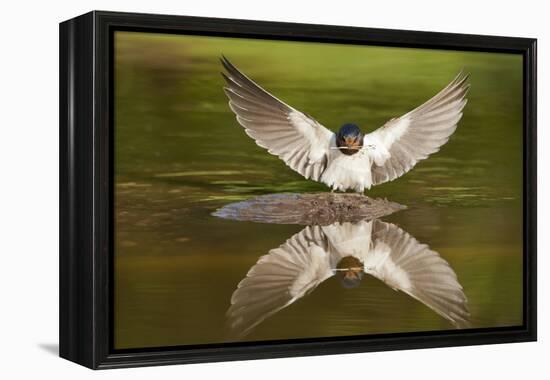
(180, 155)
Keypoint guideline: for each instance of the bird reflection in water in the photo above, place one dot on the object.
(347, 251)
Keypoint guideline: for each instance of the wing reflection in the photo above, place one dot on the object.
(347, 251)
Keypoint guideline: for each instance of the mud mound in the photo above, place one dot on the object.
(308, 209)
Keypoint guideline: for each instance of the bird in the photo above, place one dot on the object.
(349, 159)
(348, 251)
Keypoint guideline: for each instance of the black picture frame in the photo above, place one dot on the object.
(86, 188)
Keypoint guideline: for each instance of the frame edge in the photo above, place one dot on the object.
(76, 256)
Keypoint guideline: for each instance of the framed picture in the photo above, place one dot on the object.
(236, 189)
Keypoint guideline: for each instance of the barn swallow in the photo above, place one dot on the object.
(348, 159)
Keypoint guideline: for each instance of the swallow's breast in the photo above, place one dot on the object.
(345, 172)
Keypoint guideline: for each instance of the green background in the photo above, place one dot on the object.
(180, 155)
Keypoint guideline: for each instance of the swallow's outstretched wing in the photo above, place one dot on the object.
(278, 279)
(404, 264)
(396, 147)
(298, 139)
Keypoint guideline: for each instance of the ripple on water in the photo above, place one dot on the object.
(206, 173)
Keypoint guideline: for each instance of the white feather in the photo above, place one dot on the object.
(349, 239)
(316, 272)
(345, 172)
(318, 138)
(379, 262)
(380, 140)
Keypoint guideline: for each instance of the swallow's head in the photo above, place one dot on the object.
(350, 272)
(349, 139)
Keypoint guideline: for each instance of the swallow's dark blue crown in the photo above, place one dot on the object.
(349, 130)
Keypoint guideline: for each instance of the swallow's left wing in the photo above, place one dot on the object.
(398, 145)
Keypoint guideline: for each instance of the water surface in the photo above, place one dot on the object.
(180, 155)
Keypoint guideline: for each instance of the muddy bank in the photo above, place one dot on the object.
(308, 209)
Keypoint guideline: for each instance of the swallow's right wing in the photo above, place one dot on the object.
(296, 138)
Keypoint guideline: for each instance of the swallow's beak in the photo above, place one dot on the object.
(350, 141)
